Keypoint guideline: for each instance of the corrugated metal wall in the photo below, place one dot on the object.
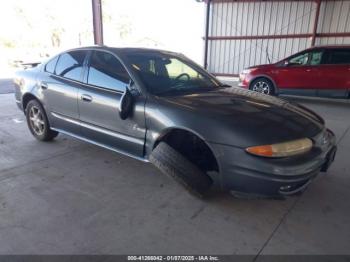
(246, 33)
(334, 18)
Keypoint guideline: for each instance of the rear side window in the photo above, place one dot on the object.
(106, 71)
(50, 66)
(70, 65)
(339, 56)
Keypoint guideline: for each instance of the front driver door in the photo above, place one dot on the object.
(297, 75)
(98, 101)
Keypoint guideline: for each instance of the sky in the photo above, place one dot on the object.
(29, 27)
(176, 25)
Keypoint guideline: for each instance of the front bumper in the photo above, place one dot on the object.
(242, 85)
(243, 82)
(19, 105)
(242, 172)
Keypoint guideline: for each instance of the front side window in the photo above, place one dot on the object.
(339, 56)
(176, 68)
(299, 60)
(50, 66)
(106, 71)
(164, 73)
(70, 65)
(316, 57)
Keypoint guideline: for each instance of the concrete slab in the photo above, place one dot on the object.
(6, 86)
(69, 197)
(319, 222)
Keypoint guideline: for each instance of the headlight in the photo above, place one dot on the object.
(290, 148)
(246, 71)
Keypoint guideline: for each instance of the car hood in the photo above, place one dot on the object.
(264, 66)
(239, 117)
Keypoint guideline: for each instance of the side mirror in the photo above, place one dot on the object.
(285, 62)
(126, 104)
(288, 63)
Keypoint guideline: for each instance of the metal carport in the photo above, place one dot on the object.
(242, 33)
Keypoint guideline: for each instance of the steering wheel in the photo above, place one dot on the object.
(182, 75)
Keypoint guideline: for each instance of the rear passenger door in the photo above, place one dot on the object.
(335, 73)
(59, 85)
(106, 80)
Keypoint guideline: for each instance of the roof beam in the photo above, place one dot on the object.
(97, 22)
(314, 31)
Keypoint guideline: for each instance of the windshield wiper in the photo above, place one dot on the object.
(170, 90)
(185, 90)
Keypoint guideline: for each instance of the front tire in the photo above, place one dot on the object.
(38, 123)
(172, 163)
(263, 85)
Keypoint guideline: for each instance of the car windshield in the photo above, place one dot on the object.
(164, 74)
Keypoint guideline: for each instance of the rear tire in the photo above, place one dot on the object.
(38, 123)
(172, 163)
(263, 85)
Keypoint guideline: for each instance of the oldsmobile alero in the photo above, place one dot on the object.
(160, 107)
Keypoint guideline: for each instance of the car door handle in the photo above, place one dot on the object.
(44, 85)
(86, 98)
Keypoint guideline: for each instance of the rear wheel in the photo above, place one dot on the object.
(263, 85)
(37, 122)
(175, 165)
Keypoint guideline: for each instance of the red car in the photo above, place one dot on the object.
(318, 71)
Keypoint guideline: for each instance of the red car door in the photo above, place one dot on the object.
(335, 73)
(297, 74)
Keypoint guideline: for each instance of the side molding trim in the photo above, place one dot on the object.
(99, 129)
(101, 145)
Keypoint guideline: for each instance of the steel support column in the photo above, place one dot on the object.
(97, 22)
(206, 39)
(314, 32)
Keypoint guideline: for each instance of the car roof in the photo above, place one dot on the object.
(329, 47)
(315, 48)
(123, 49)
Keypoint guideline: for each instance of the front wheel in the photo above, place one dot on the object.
(263, 85)
(38, 123)
(172, 163)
